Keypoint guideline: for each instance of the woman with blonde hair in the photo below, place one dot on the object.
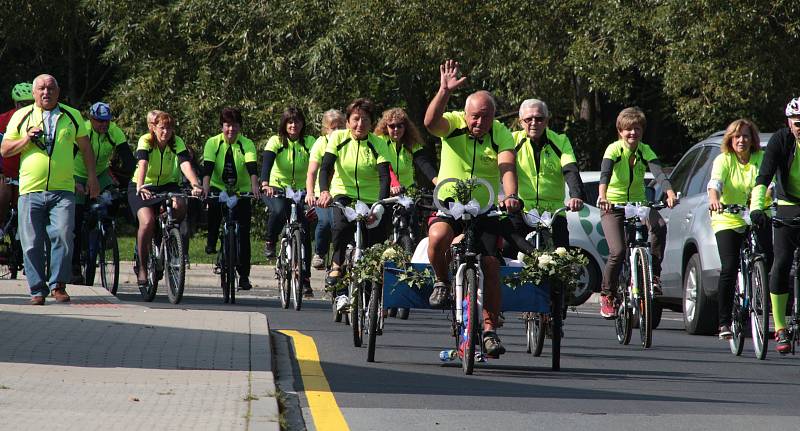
(332, 120)
(733, 177)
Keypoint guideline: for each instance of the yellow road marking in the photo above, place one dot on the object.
(324, 410)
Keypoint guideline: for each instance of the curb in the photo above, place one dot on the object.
(264, 410)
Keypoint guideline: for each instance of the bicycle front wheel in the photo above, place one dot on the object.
(356, 310)
(738, 319)
(231, 253)
(175, 265)
(644, 303)
(470, 326)
(623, 321)
(538, 333)
(375, 315)
(149, 291)
(89, 255)
(282, 271)
(109, 260)
(556, 324)
(759, 308)
(296, 266)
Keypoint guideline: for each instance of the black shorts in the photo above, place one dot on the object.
(135, 201)
(489, 232)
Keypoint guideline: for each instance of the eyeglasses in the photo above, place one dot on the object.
(396, 126)
(530, 120)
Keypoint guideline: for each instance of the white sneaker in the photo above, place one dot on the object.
(342, 302)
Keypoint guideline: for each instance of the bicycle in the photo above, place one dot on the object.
(99, 245)
(10, 247)
(403, 236)
(291, 252)
(637, 294)
(793, 315)
(465, 269)
(228, 255)
(359, 293)
(166, 253)
(751, 301)
(538, 325)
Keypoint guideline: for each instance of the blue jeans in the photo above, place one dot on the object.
(322, 233)
(46, 216)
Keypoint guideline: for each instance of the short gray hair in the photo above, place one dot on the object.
(481, 93)
(44, 76)
(533, 103)
(329, 117)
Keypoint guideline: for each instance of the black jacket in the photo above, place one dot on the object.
(777, 163)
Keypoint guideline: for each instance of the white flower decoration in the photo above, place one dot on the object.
(561, 251)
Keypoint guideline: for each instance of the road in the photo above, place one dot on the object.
(683, 382)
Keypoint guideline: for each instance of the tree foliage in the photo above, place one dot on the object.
(693, 66)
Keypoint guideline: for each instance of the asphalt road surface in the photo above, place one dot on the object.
(682, 382)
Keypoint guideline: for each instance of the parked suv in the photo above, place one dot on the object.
(690, 269)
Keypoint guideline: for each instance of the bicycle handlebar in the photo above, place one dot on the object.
(480, 181)
(539, 222)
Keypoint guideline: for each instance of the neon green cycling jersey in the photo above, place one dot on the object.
(627, 182)
(356, 168)
(317, 153)
(162, 165)
(792, 188)
(103, 147)
(402, 161)
(38, 170)
(464, 157)
(291, 162)
(734, 181)
(541, 182)
(243, 151)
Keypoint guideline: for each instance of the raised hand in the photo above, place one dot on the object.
(449, 76)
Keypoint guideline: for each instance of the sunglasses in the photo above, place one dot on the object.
(534, 119)
(396, 126)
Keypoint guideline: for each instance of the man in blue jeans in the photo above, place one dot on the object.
(44, 134)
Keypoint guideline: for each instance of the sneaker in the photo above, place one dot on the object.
(317, 262)
(269, 249)
(784, 346)
(725, 332)
(439, 297)
(342, 303)
(492, 344)
(244, 283)
(607, 309)
(60, 293)
(657, 286)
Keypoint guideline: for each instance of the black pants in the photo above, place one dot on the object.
(728, 243)
(241, 213)
(787, 239)
(344, 231)
(560, 233)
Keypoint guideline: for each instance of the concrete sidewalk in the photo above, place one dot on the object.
(95, 363)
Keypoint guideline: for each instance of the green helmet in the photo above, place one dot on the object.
(22, 92)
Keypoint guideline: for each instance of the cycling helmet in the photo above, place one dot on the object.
(793, 108)
(22, 92)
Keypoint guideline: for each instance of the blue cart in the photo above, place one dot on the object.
(527, 298)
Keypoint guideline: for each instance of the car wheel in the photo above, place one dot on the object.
(589, 278)
(699, 311)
